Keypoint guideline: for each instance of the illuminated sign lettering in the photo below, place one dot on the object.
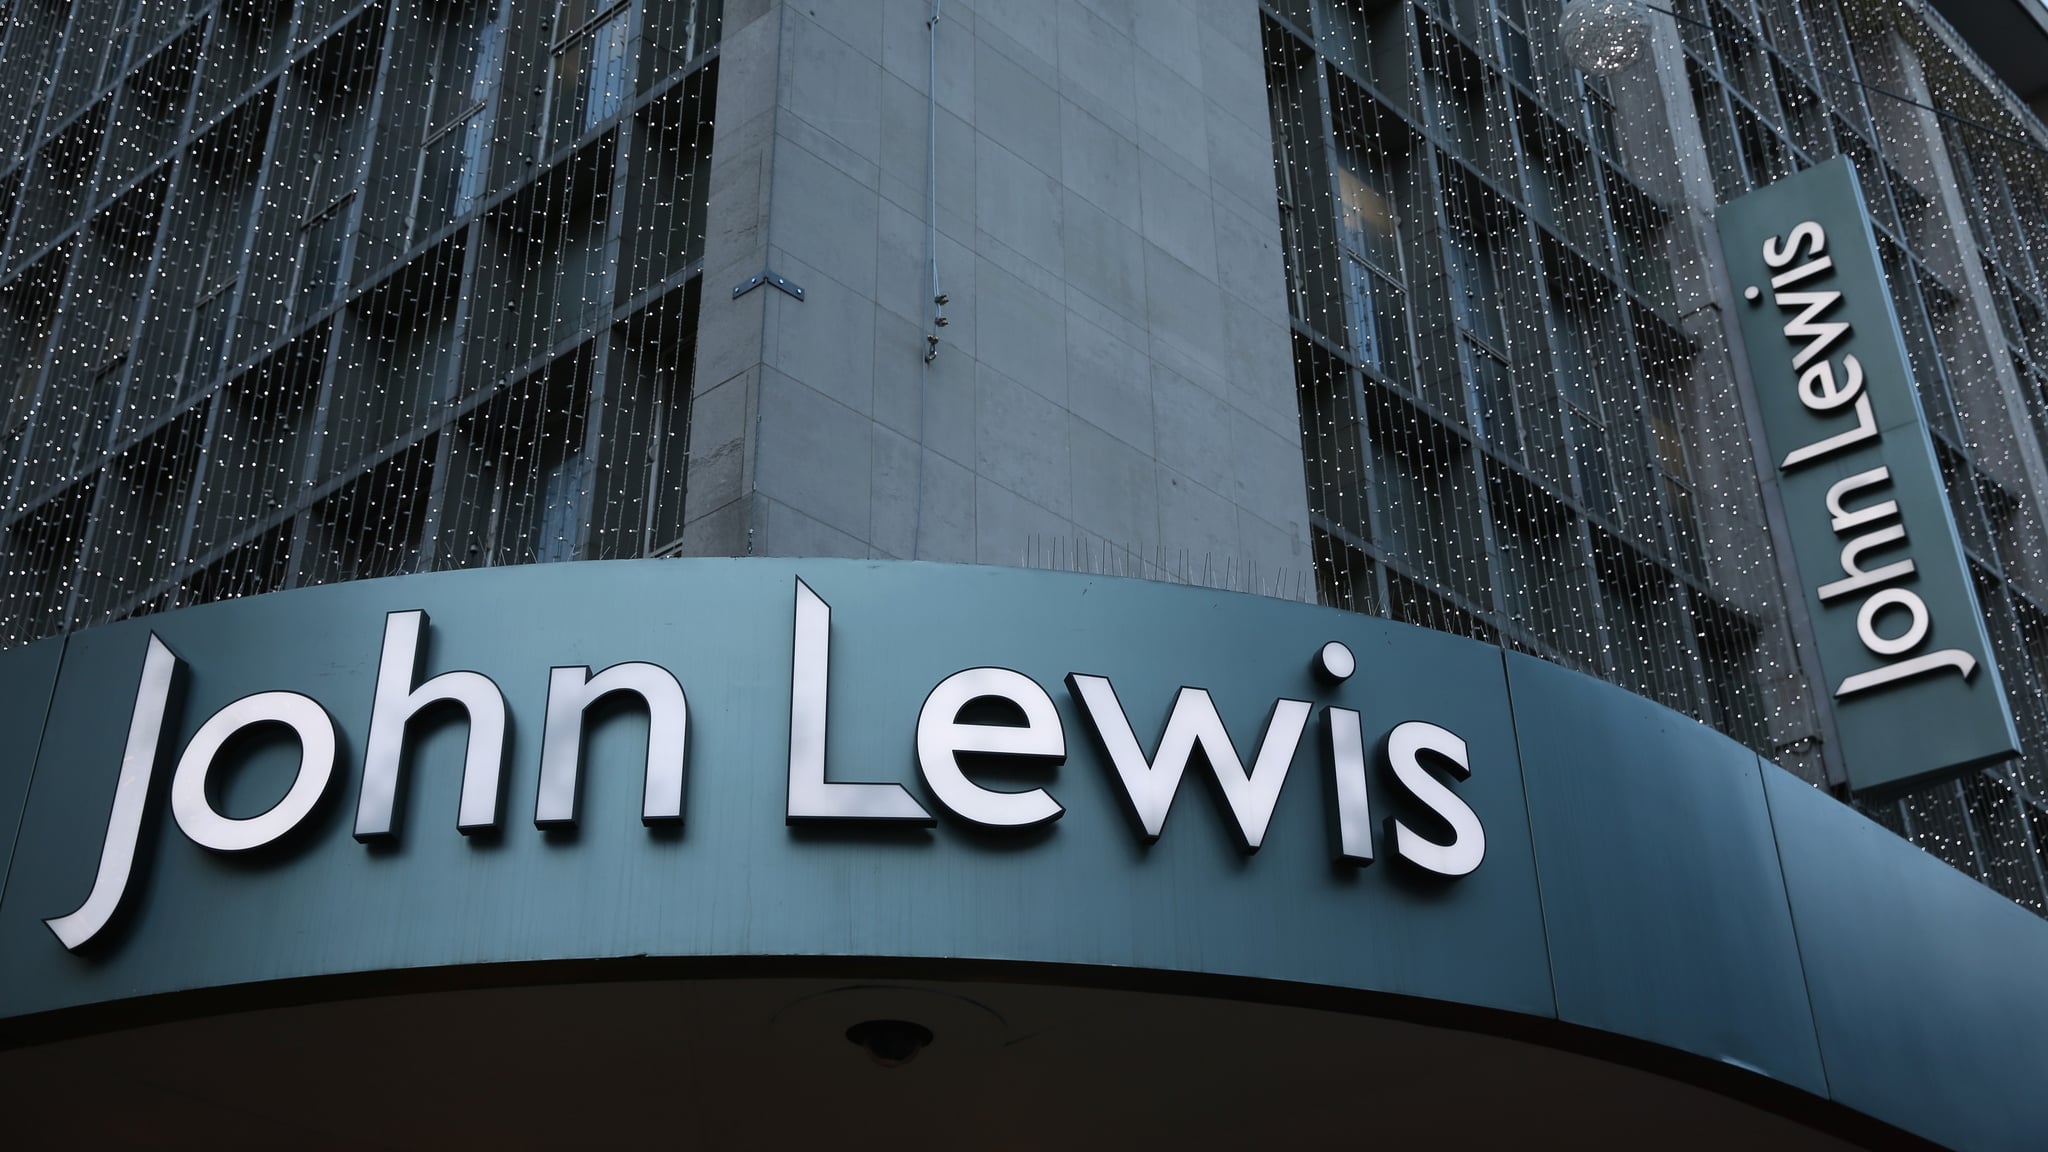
(969, 718)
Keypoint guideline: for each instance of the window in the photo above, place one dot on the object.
(608, 65)
(1581, 324)
(208, 334)
(28, 308)
(1678, 495)
(1472, 257)
(1650, 649)
(561, 487)
(1343, 32)
(1371, 260)
(1734, 697)
(592, 67)
(1493, 395)
(455, 154)
(317, 270)
(489, 57)
(1600, 119)
(1472, 261)
(532, 493)
(1512, 23)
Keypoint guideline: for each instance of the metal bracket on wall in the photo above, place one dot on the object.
(766, 277)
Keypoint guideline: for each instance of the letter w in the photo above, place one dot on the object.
(1149, 785)
(1817, 336)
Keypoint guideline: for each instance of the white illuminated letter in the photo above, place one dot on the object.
(1856, 577)
(1352, 808)
(1951, 658)
(1804, 271)
(1845, 518)
(1820, 391)
(1809, 326)
(571, 692)
(941, 736)
(398, 702)
(196, 815)
(1865, 429)
(1149, 784)
(1916, 622)
(124, 824)
(1405, 745)
(811, 796)
(1778, 253)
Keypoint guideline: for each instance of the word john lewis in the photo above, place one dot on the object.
(970, 719)
(1901, 642)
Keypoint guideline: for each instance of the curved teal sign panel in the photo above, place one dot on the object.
(828, 758)
(737, 875)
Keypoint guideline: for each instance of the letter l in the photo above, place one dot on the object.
(811, 796)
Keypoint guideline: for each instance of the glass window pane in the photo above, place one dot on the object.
(609, 68)
(1492, 398)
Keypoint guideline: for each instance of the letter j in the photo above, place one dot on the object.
(117, 854)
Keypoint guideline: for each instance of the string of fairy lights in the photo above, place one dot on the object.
(294, 293)
(1517, 427)
(1512, 431)
(1973, 351)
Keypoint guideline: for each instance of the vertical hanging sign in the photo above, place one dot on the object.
(1902, 643)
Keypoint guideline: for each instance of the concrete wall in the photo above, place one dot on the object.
(1116, 369)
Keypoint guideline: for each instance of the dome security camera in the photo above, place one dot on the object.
(890, 1043)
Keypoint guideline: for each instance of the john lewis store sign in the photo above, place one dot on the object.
(1902, 644)
(985, 720)
(856, 779)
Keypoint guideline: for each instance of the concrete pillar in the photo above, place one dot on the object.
(1114, 380)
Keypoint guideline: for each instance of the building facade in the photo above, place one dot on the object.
(314, 292)
(1380, 305)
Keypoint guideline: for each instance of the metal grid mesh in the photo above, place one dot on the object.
(294, 293)
(1511, 430)
(1515, 428)
(1778, 87)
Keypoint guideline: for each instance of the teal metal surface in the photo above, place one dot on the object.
(736, 881)
(1634, 889)
(1660, 879)
(27, 676)
(1797, 285)
(1929, 990)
